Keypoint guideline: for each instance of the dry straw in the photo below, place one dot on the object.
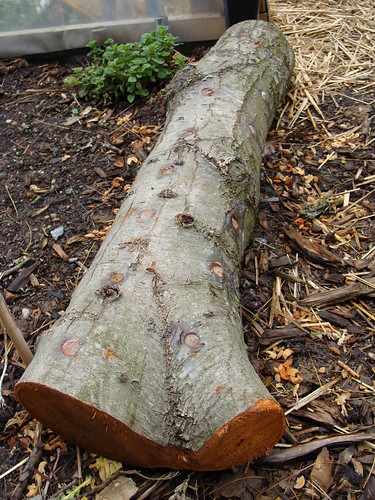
(334, 44)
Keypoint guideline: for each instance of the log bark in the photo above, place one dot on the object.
(148, 365)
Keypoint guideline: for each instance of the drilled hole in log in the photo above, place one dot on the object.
(191, 340)
(167, 193)
(217, 269)
(168, 170)
(146, 215)
(185, 220)
(71, 347)
(110, 291)
(208, 91)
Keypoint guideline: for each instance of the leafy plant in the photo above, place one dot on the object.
(127, 70)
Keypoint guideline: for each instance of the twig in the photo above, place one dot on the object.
(31, 464)
(11, 199)
(14, 268)
(369, 474)
(15, 467)
(315, 485)
(313, 395)
(5, 367)
(9, 325)
(48, 482)
(301, 450)
(79, 465)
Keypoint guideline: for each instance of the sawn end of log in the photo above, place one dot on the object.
(246, 437)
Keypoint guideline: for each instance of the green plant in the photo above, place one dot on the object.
(127, 70)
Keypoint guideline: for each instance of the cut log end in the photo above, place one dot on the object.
(247, 436)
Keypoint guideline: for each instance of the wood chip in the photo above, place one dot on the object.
(313, 250)
(339, 295)
(60, 252)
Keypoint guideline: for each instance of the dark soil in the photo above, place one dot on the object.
(70, 164)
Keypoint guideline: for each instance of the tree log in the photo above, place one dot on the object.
(148, 364)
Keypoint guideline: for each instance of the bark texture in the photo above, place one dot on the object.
(148, 365)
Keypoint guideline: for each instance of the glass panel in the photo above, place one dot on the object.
(28, 14)
(41, 26)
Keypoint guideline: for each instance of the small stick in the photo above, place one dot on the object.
(5, 367)
(9, 325)
(313, 395)
(14, 268)
(15, 467)
(79, 465)
(11, 199)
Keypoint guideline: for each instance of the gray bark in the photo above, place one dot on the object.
(148, 365)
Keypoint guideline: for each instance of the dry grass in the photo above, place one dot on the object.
(334, 44)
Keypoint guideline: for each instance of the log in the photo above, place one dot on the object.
(148, 364)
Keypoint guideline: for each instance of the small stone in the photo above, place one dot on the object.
(25, 313)
(57, 233)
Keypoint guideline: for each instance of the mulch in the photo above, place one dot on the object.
(307, 281)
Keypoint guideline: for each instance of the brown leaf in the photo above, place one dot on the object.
(100, 172)
(132, 160)
(40, 211)
(117, 139)
(60, 252)
(262, 217)
(74, 239)
(322, 470)
(119, 163)
(116, 182)
(312, 249)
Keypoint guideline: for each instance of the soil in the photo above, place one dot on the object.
(66, 167)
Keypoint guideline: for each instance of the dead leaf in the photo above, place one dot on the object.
(60, 252)
(262, 217)
(124, 119)
(100, 172)
(105, 467)
(341, 400)
(313, 249)
(119, 163)
(74, 239)
(322, 470)
(121, 488)
(116, 182)
(300, 483)
(32, 490)
(132, 160)
(117, 139)
(236, 484)
(288, 373)
(35, 189)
